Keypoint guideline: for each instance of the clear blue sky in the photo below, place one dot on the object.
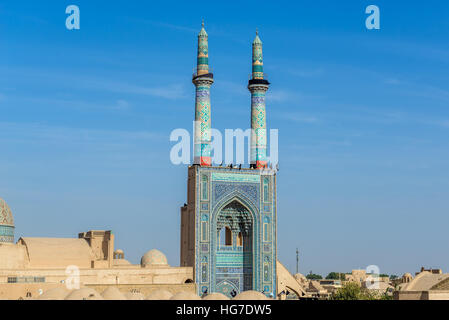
(363, 119)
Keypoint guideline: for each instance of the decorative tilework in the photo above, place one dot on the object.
(235, 177)
(203, 82)
(221, 190)
(258, 124)
(237, 268)
(258, 152)
(203, 52)
(257, 58)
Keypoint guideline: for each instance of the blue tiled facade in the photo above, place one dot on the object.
(245, 201)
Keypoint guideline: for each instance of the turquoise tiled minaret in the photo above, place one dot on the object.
(202, 79)
(258, 86)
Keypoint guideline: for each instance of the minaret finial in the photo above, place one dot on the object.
(203, 55)
(257, 57)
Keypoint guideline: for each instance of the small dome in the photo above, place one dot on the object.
(406, 278)
(216, 296)
(113, 293)
(84, 294)
(6, 223)
(153, 258)
(251, 295)
(119, 254)
(58, 293)
(185, 296)
(160, 295)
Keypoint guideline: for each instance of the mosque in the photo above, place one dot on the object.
(228, 229)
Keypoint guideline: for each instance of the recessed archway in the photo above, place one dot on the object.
(234, 248)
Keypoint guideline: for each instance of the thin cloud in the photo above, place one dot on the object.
(306, 73)
(122, 105)
(298, 117)
(439, 123)
(119, 105)
(392, 81)
(39, 133)
(233, 87)
(165, 25)
(171, 92)
(282, 95)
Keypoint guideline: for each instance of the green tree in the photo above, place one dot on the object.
(353, 291)
(313, 276)
(335, 276)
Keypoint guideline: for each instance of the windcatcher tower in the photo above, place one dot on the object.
(202, 79)
(258, 86)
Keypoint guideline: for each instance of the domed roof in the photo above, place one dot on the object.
(84, 294)
(185, 296)
(119, 251)
(250, 295)
(6, 218)
(153, 258)
(113, 293)
(215, 296)
(58, 293)
(160, 295)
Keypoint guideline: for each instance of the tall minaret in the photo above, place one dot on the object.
(258, 86)
(202, 80)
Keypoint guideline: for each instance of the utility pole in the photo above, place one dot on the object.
(297, 260)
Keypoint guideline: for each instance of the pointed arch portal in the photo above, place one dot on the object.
(234, 248)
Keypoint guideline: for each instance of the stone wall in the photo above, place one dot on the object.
(146, 289)
(422, 295)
